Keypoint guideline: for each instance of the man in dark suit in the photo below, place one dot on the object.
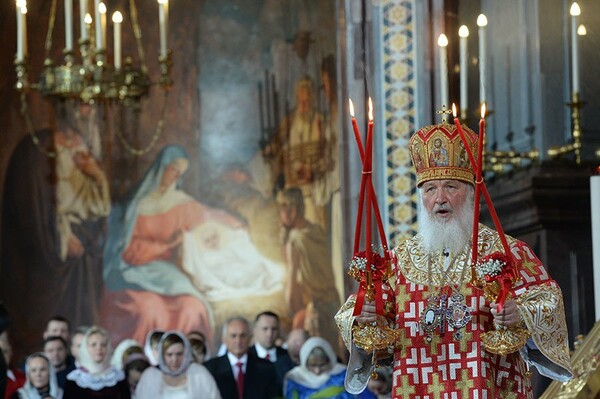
(239, 374)
(266, 331)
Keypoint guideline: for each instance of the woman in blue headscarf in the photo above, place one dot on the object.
(145, 285)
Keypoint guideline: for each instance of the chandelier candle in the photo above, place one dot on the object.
(443, 45)
(82, 25)
(482, 23)
(21, 30)
(68, 26)
(117, 19)
(98, 25)
(163, 18)
(463, 32)
(102, 8)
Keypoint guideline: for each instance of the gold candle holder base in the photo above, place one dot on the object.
(501, 340)
(375, 337)
(504, 341)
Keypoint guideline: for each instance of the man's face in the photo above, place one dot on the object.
(76, 344)
(442, 198)
(237, 338)
(56, 353)
(57, 328)
(5, 347)
(266, 331)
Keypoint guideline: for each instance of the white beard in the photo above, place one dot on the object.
(447, 235)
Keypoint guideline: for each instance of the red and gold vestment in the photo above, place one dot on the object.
(447, 365)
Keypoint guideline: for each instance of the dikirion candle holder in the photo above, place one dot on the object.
(495, 275)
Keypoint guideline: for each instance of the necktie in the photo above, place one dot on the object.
(240, 379)
(268, 357)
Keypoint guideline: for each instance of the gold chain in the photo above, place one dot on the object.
(137, 32)
(48, 45)
(158, 131)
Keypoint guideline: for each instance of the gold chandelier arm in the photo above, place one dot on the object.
(159, 129)
(137, 32)
(51, 21)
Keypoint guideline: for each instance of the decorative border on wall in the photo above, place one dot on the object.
(399, 87)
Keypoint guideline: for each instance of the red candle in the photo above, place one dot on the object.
(369, 187)
(368, 171)
(477, 186)
(480, 186)
(357, 136)
(485, 192)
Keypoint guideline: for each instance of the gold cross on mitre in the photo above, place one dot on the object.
(444, 112)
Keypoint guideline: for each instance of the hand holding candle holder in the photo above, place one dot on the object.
(495, 274)
(378, 335)
(368, 267)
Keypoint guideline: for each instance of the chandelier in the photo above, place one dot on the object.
(86, 76)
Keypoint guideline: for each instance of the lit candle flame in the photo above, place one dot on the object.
(23, 9)
(463, 31)
(575, 10)
(88, 18)
(117, 17)
(482, 20)
(581, 30)
(21, 3)
(442, 40)
(102, 8)
(454, 110)
(351, 106)
(370, 109)
(483, 110)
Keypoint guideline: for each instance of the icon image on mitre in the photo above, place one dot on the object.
(438, 152)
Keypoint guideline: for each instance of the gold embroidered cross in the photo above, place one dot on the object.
(436, 387)
(465, 384)
(406, 389)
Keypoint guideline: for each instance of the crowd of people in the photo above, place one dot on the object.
(254, 362)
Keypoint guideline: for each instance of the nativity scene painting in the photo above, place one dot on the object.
(247, 220)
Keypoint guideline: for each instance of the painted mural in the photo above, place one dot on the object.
(249, 219)
(268, 149)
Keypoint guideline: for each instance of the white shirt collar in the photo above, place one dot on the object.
(233, 360)
(262, 352)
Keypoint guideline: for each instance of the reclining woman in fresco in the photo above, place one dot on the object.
(147, 284)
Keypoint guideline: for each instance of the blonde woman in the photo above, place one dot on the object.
(96, 378)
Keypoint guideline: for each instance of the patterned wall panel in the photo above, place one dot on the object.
(399, 85)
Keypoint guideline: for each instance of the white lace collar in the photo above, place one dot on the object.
(96, 382)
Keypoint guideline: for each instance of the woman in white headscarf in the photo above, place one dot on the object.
(319, 373)
(176, 376)
(41, 379)
(95, 377)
